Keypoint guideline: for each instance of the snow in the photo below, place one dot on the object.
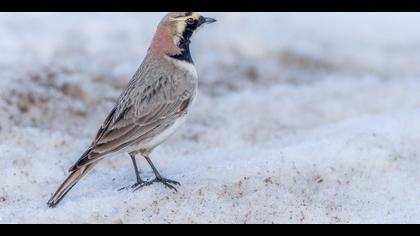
(300, 118)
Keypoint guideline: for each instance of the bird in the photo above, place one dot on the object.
(151, 108)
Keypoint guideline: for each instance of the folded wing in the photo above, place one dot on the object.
(140, 114)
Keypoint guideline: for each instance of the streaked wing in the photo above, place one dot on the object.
(140, 115)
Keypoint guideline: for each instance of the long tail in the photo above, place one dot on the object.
(68, 184)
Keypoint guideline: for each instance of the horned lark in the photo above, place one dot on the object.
(154, 104)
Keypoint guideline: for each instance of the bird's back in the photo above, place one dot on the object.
(159, 94)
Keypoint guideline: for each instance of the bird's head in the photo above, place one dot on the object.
(175, 30)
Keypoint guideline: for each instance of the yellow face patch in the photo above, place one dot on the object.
(179, 24)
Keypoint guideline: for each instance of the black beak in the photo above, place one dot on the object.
(205, 20)
(209, 20)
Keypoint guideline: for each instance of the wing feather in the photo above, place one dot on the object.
(139, 116)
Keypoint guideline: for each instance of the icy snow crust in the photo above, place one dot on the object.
(301, 118)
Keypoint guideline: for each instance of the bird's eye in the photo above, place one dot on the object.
(190, 21)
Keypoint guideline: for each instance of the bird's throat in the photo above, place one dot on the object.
(184, 56)
(184, 45)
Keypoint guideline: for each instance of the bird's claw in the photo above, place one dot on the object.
(167, 182)
(136, 185)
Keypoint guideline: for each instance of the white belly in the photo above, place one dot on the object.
(155, 141)
(160, 138)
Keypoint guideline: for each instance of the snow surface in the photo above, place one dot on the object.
(301, 118)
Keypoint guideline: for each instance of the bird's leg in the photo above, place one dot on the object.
(167, 182)
(159, 179)
(136, 170)
(139, 182)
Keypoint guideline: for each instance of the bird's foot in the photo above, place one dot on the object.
(139, 184)
(167, 182)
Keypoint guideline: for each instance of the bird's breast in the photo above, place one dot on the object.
(184, 66)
